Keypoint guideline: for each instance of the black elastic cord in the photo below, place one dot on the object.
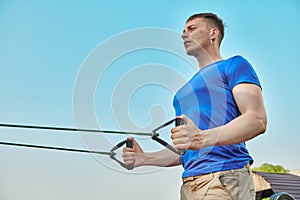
(55, 148)
(112, 154)
(164, 125)
(72, 129)
(178, 122)
(164, 143)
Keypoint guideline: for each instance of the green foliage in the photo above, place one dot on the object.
(266, 167)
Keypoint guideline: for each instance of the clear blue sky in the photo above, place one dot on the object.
(46, 46)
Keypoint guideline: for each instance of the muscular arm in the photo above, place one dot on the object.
(163, 158)
(249, 124)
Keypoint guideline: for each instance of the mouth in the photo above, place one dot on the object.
(186, 43)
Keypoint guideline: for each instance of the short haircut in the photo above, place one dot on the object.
(213, 21)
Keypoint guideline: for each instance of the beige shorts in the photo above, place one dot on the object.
(234, 184)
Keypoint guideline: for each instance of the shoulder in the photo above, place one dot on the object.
(229, 65)
(240, 71)
(237, 59)
(230, 62)
(237, 62)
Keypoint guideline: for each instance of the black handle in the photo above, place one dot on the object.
(179, 122)
(129, 145)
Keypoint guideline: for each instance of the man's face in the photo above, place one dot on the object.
(196, 36)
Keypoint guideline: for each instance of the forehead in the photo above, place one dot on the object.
(197, 21)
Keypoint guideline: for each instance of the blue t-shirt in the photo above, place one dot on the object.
(207, 99)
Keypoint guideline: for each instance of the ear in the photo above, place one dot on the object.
(214, 33)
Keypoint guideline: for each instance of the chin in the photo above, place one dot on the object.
(190, 52)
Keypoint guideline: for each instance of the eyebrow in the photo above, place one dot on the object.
(188, 27)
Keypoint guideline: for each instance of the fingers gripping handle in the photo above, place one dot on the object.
(120, 144)
(129, 145)
(179, 122)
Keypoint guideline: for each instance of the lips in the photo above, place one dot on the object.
(187, 42)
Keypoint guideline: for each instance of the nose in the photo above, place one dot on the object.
(184, 35)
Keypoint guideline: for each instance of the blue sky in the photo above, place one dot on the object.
(46, 46)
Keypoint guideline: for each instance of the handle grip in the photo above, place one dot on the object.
(129, 145)
(179, 122)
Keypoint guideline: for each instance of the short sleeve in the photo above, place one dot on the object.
(241, 71)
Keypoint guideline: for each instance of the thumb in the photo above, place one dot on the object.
(136, 147)
(185, 118)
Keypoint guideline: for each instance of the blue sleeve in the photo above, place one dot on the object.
(241, 71)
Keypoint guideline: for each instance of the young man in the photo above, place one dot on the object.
(223, 107)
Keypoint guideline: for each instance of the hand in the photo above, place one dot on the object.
(188, 136)
(133, 155)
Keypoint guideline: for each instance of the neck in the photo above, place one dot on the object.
(208, 57)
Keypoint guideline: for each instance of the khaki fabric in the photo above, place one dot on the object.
(226, 185)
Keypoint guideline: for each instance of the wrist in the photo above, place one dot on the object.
(202, 138)
(212, 136)
(208, 139)
(140, 159)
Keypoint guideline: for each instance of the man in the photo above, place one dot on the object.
(222, 107)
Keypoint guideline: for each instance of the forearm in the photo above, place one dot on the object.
(241, 129)
(163, 158)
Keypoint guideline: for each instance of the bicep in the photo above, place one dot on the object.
(248, 98)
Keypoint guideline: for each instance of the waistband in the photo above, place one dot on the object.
(191, 178)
